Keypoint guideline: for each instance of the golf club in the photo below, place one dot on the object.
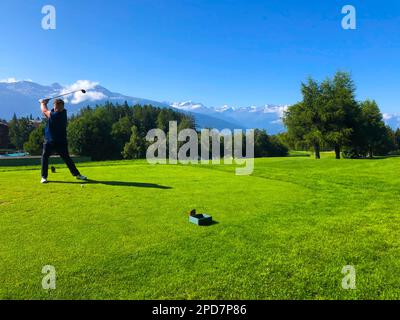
(63, 95)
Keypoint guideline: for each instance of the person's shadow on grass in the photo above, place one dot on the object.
(116, 183)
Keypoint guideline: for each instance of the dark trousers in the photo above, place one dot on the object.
(62, 150)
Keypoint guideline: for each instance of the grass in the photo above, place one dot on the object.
(283, 233)
(34, 161)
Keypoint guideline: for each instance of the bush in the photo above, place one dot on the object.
(136, 147)
(34, 144)
(268, 146)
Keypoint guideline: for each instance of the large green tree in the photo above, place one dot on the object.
(330, 115)
(136, 147)
(90, 135)
(373, 129)
(339, 111)
(304, 119)
(121, 131)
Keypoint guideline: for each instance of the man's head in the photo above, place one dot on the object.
(58, 105)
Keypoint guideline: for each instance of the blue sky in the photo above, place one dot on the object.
(216, 52)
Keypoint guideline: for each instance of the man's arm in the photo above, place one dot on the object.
(43, 106)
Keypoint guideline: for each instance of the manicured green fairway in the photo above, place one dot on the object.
(284, 233)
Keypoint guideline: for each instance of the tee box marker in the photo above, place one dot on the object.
(201, 219)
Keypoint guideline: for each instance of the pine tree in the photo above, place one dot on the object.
(373, 127)
(304, 121)
(340, 110)
(136, 147)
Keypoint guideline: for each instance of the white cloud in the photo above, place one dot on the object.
(13, 80)
(79, 97)
(387, 116)
(278, 110)
(9, 80)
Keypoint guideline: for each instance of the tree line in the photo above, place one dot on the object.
(20, 129)
(111, 132)
(330, 118)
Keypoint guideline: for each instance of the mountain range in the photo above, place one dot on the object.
(21, 98)
(265, 117)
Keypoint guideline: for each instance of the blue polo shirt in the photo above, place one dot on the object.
(56, 128)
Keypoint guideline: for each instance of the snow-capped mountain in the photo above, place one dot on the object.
(21, 97)
(190, 107)
(267, 117)
(206, 117)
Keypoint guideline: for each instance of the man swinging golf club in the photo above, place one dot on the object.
(56, 138)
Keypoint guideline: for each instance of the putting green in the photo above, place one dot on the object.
(285, 232)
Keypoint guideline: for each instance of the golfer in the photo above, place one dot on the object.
(55, 138)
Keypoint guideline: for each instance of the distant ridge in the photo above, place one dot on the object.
(21, 97)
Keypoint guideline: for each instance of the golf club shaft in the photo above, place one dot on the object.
(61, 95)
(65, 94)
